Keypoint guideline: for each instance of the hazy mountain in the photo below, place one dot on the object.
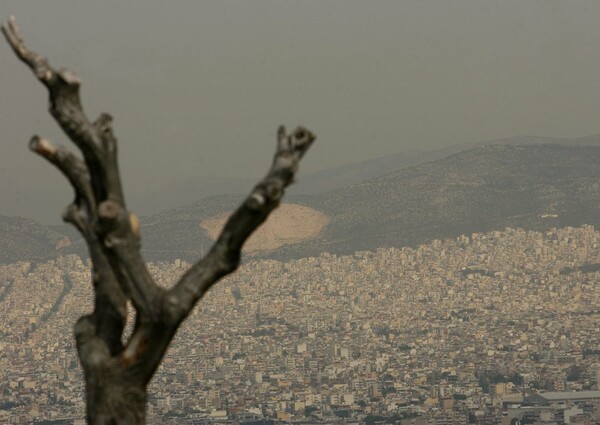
(518, 183)
(485, 188)
(44, 205)
(24, 239)
(179, 194)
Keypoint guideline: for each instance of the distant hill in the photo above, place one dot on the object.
(516, 182)
(490, 187)
(24, 239)
(180, 194)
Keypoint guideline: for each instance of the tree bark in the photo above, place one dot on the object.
(117, 373)
(113, 401)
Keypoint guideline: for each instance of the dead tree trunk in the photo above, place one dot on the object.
(117, 373)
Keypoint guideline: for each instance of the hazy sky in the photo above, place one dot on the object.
(197, 88)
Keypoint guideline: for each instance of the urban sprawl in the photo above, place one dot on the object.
(489, 328)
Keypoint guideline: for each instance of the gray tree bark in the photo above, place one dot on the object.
(117, 373)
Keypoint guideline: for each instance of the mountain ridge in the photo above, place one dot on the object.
(488, 187)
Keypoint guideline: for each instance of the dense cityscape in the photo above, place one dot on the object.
(489, 328)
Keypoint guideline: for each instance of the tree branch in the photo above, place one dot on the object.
(122, 244)
(112, 235)
(113, 225)
(222, 259)
(65, 106)
(108, 319)
(224, 256)
(72, 167)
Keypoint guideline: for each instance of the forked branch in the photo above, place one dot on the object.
(112, 235)
(107, 217)
(224, 256)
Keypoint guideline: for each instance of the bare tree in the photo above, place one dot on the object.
(117, 373)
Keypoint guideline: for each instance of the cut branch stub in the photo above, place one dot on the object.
(113, 222)
(42, 147)
(134, 222)
(109, 210)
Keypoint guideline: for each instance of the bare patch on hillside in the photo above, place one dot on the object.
(288, 224)
(63, 243)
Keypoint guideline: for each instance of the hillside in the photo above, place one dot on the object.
(485, 188)
(493, 186)
(24, 239)
(288, 225)
(318, 182)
